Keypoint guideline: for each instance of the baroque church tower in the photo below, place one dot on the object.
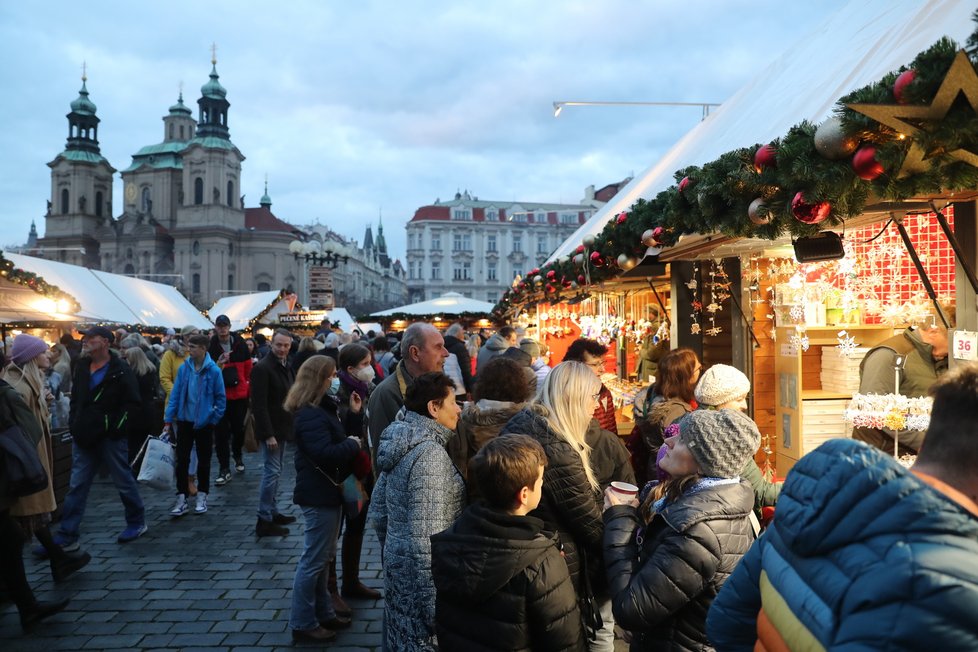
(81, 189)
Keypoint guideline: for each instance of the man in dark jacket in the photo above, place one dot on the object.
(865, 554)
(499, 577)
(231, 354)
(455, 343)
(104, 392)
(271, 379)
(422, 351)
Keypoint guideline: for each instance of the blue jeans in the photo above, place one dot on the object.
(311, 603)
(85, 464)
(271, 470)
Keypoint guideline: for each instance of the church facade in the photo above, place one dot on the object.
(183, 221)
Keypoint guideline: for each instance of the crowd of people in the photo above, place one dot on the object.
(511, 515)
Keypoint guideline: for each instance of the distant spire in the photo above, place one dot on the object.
(214, 54)
(265, 201)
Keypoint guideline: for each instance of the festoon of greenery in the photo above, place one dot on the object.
(715, 197)
(36, 283)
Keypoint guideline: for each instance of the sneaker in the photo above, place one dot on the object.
(60, 540)
(132, 533)
(223, 478)
(201, 507)
(181, 507)
(239, 466)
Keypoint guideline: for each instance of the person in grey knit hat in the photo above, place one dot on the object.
(694, 528)
(723, 385)
(720, 441)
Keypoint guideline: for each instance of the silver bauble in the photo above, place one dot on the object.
(578, 259)
(832, 143)
(754, 212)
(588, 241)
(648, 238)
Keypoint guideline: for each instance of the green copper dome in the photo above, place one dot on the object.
(180, 107)
(83, 105)
(213, 88)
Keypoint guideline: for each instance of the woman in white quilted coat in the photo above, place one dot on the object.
(419, 492)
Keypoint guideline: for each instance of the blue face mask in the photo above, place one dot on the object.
(334, 387)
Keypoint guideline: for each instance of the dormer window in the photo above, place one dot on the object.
(461, 214)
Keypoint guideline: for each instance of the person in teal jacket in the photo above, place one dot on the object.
(864, 554)
(196, 405)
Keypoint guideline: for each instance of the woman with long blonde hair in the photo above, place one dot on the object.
(325, 449)
(558, 418)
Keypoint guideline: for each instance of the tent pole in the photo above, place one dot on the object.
(920, 269)
(956, 247)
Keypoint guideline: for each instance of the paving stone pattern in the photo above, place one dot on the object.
(197, 582)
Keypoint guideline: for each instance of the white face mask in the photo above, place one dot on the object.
(366, 374)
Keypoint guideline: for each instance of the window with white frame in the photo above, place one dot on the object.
(517, 244)
(412, 240)
(491, 242)
(568, 218)
(490, 271)
(492, 215)
(517, 272)
(462, 271)
(436, 241)
(462, 242)
(540, 217)
(435, 270)
(461, 214)
(492, 296)
(542, 246)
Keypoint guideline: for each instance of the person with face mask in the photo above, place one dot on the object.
(355, 376)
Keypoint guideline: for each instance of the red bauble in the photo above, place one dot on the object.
(621, 218)
(579, 250)
(551, 275)
(900, 85)
(657, 233)
(550, 288)
(596, 259)
(534, 271)
(765, 157)
(581, 279)
(809, 213)
(865, 164)
(683, 184)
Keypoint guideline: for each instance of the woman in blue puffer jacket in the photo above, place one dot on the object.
(325, 449)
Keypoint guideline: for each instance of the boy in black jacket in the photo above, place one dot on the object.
(501, 580)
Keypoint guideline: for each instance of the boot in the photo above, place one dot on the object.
(269, 529)
(352, 586)
(38, 611)
(63, 565)
(340, 606)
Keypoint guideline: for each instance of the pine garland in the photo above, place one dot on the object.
(716, 196)
(36, 283)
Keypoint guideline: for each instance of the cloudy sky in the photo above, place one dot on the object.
(358, 109)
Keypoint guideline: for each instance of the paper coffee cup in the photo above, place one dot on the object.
(625, 489)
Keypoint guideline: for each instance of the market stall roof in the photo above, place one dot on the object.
(342, 315)
(450, 303)
(855, 47)
(115, 299)
(260, 307)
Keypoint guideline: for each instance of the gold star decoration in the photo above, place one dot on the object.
(960, 79)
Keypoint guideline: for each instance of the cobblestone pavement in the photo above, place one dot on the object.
(198, 582)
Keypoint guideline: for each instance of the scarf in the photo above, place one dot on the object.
(354, 384)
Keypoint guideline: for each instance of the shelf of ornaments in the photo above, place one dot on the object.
(829, 335)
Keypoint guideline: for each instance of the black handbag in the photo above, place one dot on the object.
(23, 473)
(590, 613)
(230, 375)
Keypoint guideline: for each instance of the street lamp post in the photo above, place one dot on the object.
(315, 253)
(559, 105)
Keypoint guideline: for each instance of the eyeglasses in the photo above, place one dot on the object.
(595, 397)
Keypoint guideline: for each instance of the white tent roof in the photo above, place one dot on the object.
(450, 303)
(241, 309)
(854, 48)
(115, 299)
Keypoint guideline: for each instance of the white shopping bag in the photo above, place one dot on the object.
(159, 462)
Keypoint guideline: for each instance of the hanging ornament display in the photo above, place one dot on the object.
(831, 141)
(865, 164)
(765, 157)
(719, 292)
(758, 213)
(900, 85)
(809, 212)
(695, 304)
